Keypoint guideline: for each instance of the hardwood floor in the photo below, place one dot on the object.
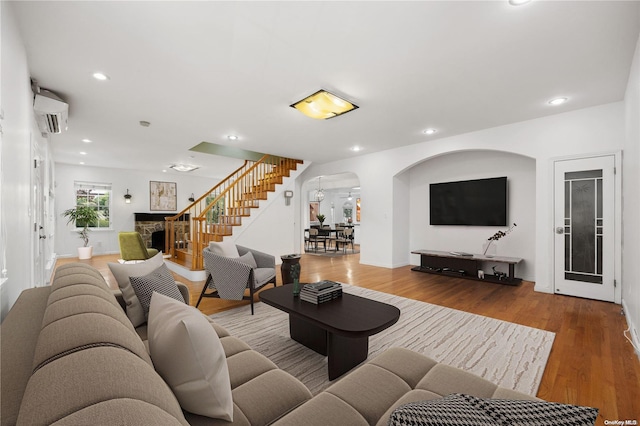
(591, 363)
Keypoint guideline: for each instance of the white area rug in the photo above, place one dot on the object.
(508, 354)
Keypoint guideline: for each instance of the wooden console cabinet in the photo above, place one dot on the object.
(457, 265)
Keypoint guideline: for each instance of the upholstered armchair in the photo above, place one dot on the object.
(232, 269)
(132, 247)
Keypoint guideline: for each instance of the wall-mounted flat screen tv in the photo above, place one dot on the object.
(480, 202)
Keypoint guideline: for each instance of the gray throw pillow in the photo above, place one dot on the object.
(122, 272)
(160, 281)
(187, 353)
(248, 259)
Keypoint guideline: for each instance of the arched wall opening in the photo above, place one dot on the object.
(340, 201)
(412, 186)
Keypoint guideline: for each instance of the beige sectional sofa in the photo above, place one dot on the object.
(70, 356)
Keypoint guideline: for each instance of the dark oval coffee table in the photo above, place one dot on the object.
(339, 329)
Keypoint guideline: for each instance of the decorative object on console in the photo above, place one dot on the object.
(320, 218)
(499, 275)
(496, 237)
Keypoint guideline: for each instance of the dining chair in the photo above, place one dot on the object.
(345, 240)
(315, 238)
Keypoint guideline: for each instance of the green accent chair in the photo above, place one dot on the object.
(132, 247)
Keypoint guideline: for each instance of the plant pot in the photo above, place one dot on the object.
(85, 252)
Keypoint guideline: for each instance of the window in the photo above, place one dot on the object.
(97, 196)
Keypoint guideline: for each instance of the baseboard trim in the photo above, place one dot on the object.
(633, 329)
(185, 272)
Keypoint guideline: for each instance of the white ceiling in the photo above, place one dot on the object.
(200, 71)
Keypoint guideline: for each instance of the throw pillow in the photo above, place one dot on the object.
(248, 259)
(187, 353)
(538, 413)
(122, 272)
(226, 248)
(160, 281)
(452, 410)
(460, 409)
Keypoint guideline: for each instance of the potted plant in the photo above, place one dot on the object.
(83, 216)
(320, 218)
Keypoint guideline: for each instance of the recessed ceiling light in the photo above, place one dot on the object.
(164, 170)
(85, 140)
(518, 2)
(356, 148)
(101, 76)
(232, 137)
(429, 131)
(82, 162)
(558, 101)
(83, 153)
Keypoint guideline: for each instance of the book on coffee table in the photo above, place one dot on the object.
(322, 291)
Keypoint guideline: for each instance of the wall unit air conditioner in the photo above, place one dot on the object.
(51, 112)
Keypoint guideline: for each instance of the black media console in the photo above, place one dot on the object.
(466, 265)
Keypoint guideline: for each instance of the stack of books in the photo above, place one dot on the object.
(320, 292)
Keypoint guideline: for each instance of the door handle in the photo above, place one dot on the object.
(560, 230)
(43, 237)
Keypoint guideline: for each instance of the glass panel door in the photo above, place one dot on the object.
(584, 227)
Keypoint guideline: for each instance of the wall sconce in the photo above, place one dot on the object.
(192, 198)
(287, 197)
(127, 197)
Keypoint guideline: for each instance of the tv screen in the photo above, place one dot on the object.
(481, 202)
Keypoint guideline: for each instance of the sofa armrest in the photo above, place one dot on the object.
(184, 290)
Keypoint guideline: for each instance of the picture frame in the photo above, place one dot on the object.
(163, 196)
(314, 209)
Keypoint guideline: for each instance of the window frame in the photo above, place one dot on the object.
(101, 188)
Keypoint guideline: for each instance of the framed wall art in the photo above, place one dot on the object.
(163, 196)
(314, 210)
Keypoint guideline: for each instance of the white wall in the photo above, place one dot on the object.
(631, 202)
(384, 243)
(467, 165)
(122, 214)
(19, 135)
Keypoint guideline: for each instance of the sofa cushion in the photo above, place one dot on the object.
(120, 412)
(122, 272)
(187, 353)
(19, 336)
(160, 281)
(84, 378)
(460, 409)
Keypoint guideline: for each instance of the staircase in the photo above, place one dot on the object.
(214, 215)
